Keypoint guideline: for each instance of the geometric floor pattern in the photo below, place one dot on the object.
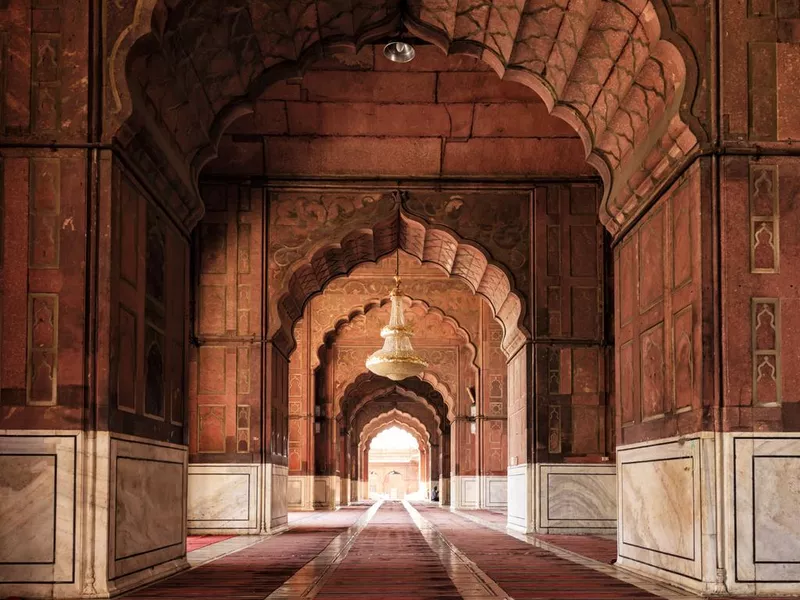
(396, 551)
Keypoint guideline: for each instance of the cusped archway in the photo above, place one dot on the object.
(387, 228)
(609, 69)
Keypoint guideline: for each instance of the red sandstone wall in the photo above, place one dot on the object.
(149, 317)
(661, 312)
(366, 116)
(761, 287)
(43, 279)
(570, 325)
(226, 358)
(43, 195)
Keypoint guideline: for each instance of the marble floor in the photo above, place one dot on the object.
(398, 550)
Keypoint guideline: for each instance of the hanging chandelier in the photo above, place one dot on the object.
(397, 359)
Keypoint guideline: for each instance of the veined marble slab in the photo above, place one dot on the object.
(494, 491)
(223, 498)
(466, 492)
(765, 502)
(148, 500)
(577, 498)
(520, 482)
(39, 487)
(667, 514)
(279, 513)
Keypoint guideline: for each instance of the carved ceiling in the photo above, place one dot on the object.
(369, 387)
(373, 227)
(603, 67)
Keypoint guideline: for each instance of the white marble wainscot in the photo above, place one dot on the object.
(493, 492)
(279, 512)
(465, 492)
(576, 498)
(147, 519)
(444, 491)
(223, 499)
(300, 492)
(40, 516)
(520, 498)
(667, 510)
(325, 492)
(762, 480)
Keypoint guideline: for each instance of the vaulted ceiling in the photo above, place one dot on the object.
(601, 66)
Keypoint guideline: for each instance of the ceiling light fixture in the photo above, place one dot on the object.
(399, 51)
(397, 359)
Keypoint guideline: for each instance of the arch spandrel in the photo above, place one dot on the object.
(296, 280)
(609, 69)
(446, 346)
(384, 421)
(368, 387)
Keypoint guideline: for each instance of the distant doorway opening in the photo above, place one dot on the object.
(394, 466)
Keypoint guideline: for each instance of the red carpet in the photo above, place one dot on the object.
(258, 570)
(522, 570)
(195, 542)
(390, 559)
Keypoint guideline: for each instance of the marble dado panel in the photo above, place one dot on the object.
(465, 491)
(300, 492)
(494, 491)
(666, 509)
(278, 475)
(39, 488)
(223, 498)
(576, 498)
(444, 491)
(520, 498)
(147, 487)
(765, 504)
(325, 492)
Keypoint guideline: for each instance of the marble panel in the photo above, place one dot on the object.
(279, 512)
(324, 492)
(223, 498)
(148, 500)
(27, 494)
(520, 498)
(577, 498)
(494, 492)
(39, 487)
(765, 480)
(466, 492)
(295, 491)
(665, 513)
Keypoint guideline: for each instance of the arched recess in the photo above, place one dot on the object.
(611, 70)
(445, 363)
(361, 310)
(307, 276)
(394, 417)
(427, 460)
(369, 388)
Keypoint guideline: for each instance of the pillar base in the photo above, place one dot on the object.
(677, 493)
(73, 523)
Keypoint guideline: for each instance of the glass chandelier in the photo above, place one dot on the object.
(397, 359)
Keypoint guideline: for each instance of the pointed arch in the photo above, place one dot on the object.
(326, 261)
(615, 71)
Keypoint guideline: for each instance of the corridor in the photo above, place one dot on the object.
(398, 550)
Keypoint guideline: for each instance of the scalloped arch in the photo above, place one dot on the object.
(368, 387)
(612, 70)
(427, 244)
(391, 418)
(363, 309)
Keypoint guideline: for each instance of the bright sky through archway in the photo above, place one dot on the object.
(394, 438)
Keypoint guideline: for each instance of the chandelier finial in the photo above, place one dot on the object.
(397, 359)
